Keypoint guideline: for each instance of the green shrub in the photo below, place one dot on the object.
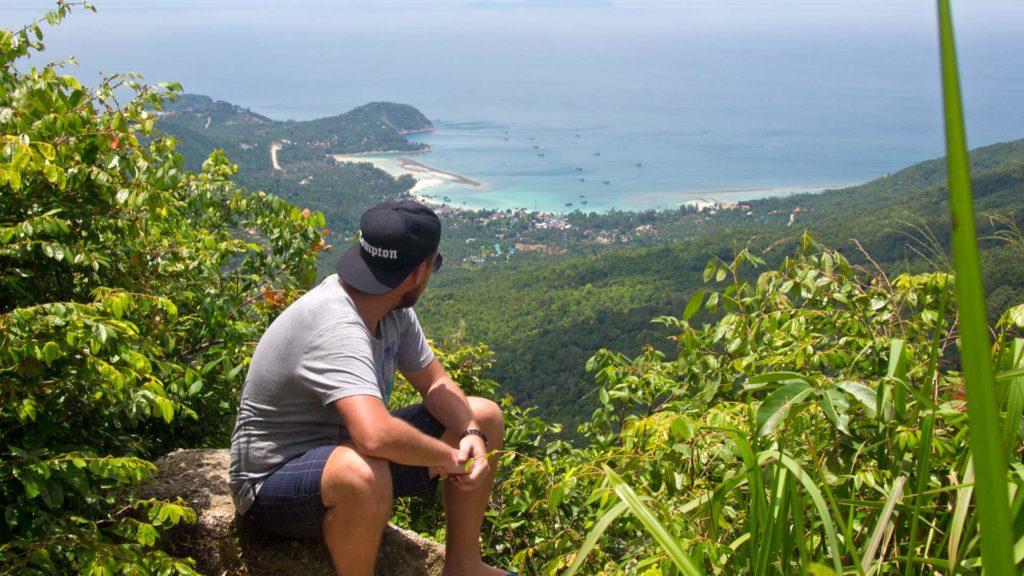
(131, 293)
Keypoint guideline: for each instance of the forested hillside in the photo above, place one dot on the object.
(545, 316)
(305, 172)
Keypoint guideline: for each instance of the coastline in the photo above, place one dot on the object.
(429, 179)
(769, 191)
(426, 177)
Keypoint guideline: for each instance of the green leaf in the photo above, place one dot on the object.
(827, 263)
(51, 351)
(777, 406)
(1013, 317)
(52, 173)
(835, 405)
(693, 305)
(22, 158)
(709, 270)
(32, 482)
(768, 377)
(164, 408)
(682, 428)
(866, 396)
(27, 410)
(712, 303)
(46, 150)
(556, 497)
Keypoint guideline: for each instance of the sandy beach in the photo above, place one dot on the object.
(767, 190)
(427, 177)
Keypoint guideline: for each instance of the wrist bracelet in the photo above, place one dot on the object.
(475, 432)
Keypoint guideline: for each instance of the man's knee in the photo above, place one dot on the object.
(351, 478)
(488, 415)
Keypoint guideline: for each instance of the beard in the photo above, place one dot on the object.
(410, 298)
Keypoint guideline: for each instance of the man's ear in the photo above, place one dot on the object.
(417, 272)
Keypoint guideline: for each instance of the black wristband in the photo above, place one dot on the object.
(475, 432)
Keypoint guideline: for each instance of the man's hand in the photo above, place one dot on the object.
(475, 466)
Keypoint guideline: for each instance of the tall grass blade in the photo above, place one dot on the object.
(776, 522)
(819, 503)
(758, 516)
(1014, 396)
(982, 411)
(963, 502)
(895, 495)
(1010, 375)
(595, 534)
(924, 451)
(898, 370)
(665, 539)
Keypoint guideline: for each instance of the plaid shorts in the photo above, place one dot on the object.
(288, 502)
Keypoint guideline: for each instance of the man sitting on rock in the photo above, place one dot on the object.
(315, 451)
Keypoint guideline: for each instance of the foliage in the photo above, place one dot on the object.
(132, 292)
(819, 420)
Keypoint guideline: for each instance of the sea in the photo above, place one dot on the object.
(559, 105)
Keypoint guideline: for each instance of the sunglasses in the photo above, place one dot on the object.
(437, 261)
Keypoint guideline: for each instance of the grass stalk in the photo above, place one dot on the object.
(1014, 395)
(655, 528)
(882, 523)
(831, 539)
(922, 474)
(594, 535)
(982, 412)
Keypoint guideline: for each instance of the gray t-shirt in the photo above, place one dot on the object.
(317, 351)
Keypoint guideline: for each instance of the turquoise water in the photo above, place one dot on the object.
(595, 170)
(764, 96)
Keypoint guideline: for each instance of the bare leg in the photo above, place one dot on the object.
(356, 490)
(465, 509)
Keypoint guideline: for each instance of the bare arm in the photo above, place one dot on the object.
(375, 432)
(442, 397)
(446, 402)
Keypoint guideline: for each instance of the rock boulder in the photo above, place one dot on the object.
(221, 547)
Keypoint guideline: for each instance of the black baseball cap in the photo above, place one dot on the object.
(394, 238)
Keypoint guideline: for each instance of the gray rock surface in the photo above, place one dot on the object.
(223, 548)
